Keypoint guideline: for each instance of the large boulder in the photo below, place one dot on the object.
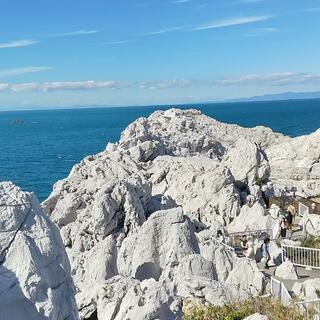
(252, 218)
(307, 290)
(159, 265)
(35, 280)
(222, 260)
(196, 277)
(203, 187)
(126, 298)
(188, 133)
(287, 271)
(103, 199)
(162, 242)
(246, 280)
(247, 162)
(295, 162)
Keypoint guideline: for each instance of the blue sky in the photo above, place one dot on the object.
(142, 52)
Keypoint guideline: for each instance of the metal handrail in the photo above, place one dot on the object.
(228, 249)
(255, 234)
(249, 232)
(302, 256)
(282, 293)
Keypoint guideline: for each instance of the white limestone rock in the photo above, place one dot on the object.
(307, 290)
(247, 162)
(35, 281)
(287, 271)
(313, 225)
(257, 316)
(196, 277)
(296, 162)
(203, 187)
(104, 196)
(246, 279)
(189, 133)
(131, 217)
(252, 218)
(162, 242)
(126, 298)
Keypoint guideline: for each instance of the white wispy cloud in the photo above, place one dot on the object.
(273, 79)
(232, 22)
(20, 71)
(167, 84)
(63, 85)
(261, 32)
(95, 85)
(114, 43)
(76, 33)
(262, 79)
(18, 43)
(163, 31)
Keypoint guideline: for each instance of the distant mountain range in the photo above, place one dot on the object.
(281, 96)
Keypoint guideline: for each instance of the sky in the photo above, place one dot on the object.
(146, 52)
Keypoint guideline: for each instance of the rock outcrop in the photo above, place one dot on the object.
(35, 280)
(138, 219)
(201, 186)
(307, 290)
(295, 162)
(287, 271)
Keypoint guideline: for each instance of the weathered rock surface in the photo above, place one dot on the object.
(286, 270)
(246, 279)
(307, 290)
(189, 133)
(162, 242)
(35, 281)
(257, 316)
(313, 225)
(252, 218)
(137, 220)
(103, 199)
(247, 161)
(203, 187)
(295, 162)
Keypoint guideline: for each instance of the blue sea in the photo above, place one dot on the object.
(37, 148)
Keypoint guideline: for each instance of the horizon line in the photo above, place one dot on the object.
(173, 105)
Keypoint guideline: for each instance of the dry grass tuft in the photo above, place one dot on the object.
(240, 310)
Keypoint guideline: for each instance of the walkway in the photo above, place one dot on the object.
(302, 273)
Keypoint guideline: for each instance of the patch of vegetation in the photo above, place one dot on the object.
(259, 181)
(240, 310)
(311, 242)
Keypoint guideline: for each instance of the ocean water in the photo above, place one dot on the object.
(37, 148)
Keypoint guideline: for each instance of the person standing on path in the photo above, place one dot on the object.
(283, 228)
(265, 252)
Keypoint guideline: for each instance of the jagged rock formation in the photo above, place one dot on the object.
(296, 162)
(287, 271)
(308, 290)
(138, 219)
(35, 281)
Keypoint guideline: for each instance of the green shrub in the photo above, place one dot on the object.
(240, 310)
(311, 242)
(259, 181)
